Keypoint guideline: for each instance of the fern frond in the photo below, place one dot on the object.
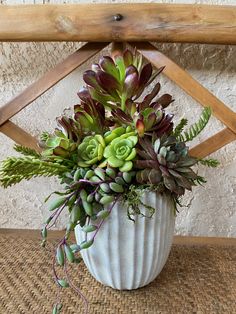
(44, 136)
(197, 127)
(179, 128)
(13, 170)
(200, 180)
(209, 162)
(26, 151)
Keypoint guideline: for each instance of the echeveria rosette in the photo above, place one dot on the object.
(167, 162)
(121, 152)
(91, 150)
(58, 145)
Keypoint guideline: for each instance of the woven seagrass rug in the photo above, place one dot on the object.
(197, 279)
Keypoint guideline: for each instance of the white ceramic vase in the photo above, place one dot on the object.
(127, 255)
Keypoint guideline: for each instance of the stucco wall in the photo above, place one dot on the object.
(213, 208)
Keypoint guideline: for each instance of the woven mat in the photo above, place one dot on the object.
(196, 279)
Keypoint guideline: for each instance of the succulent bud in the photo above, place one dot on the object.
(105, 187)
(75, 248)
(116, 187)
(77, 175)
(56, 203)
(89, 174)
(100, 173)
(69, 253)
(60, 256)
(83, 194)
(103, 214)
(107, 199)
(90, 198)
(120, 181)
(111, 173)
(89, 228)
(87, 207)
(63, 283)
(75, 214)
(86, 244)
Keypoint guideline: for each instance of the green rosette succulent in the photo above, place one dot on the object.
(121, 151)
(91, 150)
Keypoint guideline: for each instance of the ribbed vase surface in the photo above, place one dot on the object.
(127, 255)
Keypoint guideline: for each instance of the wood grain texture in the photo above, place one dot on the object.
(49, 79)
(185, 81)
(179, 240)
(18, 135)
(135, 22)
(213, 143)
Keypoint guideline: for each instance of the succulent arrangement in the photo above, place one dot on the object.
(118, 143)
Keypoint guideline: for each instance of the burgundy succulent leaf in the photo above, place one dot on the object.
(107, 82)
(165, 100)
(128, 57)
(90, 78)
(108, 66)
(147, 99)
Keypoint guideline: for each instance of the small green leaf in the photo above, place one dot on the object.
(95, 179)
(44, 233)
(83, 194)
(56, 203)
(111, 173)
(86, 244)
(116, 187)
(60, 256)
(127, 166)
(63, 283)
(75, 214)
(89, 174)
(127, 177)
(69, 253)
(103, 214)
(105, 187)
(120, 181)
(89, 228)
(77, 175)
(87, 207)
(75, 248)
(107, 199)
(90, 198)
(100, 173)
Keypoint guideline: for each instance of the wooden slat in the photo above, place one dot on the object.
(18, 135)
(188, 84)
(178, 240)
(213, 143)
(137, 22)
(49, 79)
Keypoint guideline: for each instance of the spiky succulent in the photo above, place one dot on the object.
(167, 162)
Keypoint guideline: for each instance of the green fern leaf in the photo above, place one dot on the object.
(209, 162)
(179, 128)
(196, 128)
(13, 170)
(26, 151)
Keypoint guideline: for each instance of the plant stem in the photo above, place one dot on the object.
(102, 221)
(75, 288)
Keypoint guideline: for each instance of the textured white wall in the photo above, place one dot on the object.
(213, 208)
